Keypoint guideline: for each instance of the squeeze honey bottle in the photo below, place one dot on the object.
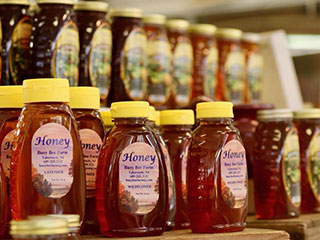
(44, 228)
(205, 63)
(276, 166)
(55, 41)
(182, 62)
(10, 108)
(217, 172)
(159, 61)
(95, 46)
(47, 174)
(177, 133)
(85, 103)
(231, 66)
(129, 56)
(132, 182)
(154, 124)
(16, 36)
(307, 122)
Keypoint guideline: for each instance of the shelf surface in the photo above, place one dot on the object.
(247, 234)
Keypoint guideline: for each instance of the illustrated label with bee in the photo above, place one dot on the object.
(314, 164)
(234, 177)
(291, 167)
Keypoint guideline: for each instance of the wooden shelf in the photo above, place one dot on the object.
(247, 234)
(305, 227)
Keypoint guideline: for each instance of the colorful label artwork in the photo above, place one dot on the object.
(65, 58)
(291, 167)
(159, 71)
(182, 72)
(210, 77)
(314, 164)
(100, 59)
(19, 53)
(134, 64)
(138, 179)
(234, 76)
(234, 177)
(52, 160)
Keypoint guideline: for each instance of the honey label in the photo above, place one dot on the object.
(134, 64)
(100, 59)
(171, 183)
(254, 72)
(159, 71)
(19, 53)
(234, 177)
(291, 167)
(210, 77)
(182, 73)
(91, 146)
(138, 179)
(234, 76)
(314, 164)
(52, 160)
(6, 150)
(65, 58)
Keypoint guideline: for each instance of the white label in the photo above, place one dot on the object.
(52, 160)
(139, 178)
(91, 146)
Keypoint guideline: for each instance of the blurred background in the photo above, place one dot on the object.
(300, 19)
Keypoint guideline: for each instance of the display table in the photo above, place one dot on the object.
(305, 227)
(247, 234)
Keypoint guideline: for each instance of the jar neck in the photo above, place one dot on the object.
(130, 121)
(177, 127)
(215, 121)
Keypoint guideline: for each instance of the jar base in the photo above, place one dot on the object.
(221, 228)
(134, 232)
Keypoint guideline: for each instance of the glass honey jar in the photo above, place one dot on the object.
(307, 122)
(276, 166)
(205, 60)
(231, 66)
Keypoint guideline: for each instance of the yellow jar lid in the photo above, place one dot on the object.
(91, 6)
(152, 114)
(41, 226)
(157, 118)
(307, 113)
(84, 98)
(154, 19)
(176, 117)
(126, 12)
(275, 114)
(15, 2)
(229, 33)
(11, 97)
(73, 220)
(46, 90)
(132, 109)
(106, 118)
(214, 110)
(201, 28)
(251, 37)
(177, 24)
(69, 2)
